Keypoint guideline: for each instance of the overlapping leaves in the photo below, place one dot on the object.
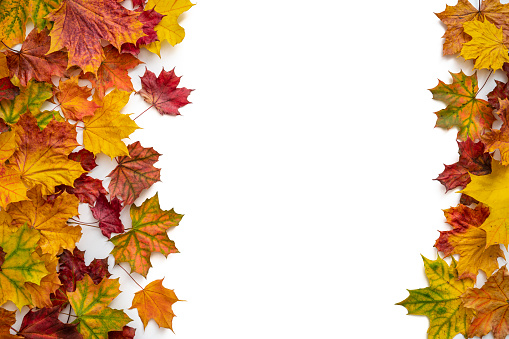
(49, 139)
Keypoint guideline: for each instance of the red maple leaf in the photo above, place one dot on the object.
(108, 214)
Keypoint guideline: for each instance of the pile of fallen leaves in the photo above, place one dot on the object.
(77, 57)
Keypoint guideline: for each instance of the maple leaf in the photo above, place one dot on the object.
(162, 92)
(103, 132)
(168, 29)
(487, 46)
(149, 19)
(472, 159)
(49, 218)
(32, 62)
(490, 306)
(40, 293)
(147, 235)
(7, 145)
(112, 72)
(73, 269)
(126, 333)
(81, 24)
(469, 241)
(73, 99)
(470, 115)
(7, 319)
(30, 99)
(90, 302)
(44, 323)
(21, 265)
(441, 301)
(134, 173)
(15, 14)
(7, 89)
(154, 302)
(108, 214)
(41, 157)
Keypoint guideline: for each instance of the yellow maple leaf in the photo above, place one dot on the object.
(12, 188)
(4, 69)
(40, 293)
(104, 131)
(487, 46)
(493, 190)
(7, 145)
(154, 302)
(49, 218)
(168, 29)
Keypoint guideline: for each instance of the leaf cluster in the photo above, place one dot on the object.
(77, 58)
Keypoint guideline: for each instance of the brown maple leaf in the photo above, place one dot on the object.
(79, 26)
(7, 89)
(162, 92)
(149, 19)
(33, 62)
(74, 101)
(134, 173)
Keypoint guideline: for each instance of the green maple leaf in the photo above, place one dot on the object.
(441, 301)
(90, 303)
(464, 111)
(148, 234)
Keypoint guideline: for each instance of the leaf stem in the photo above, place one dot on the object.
(130, 276)
(12, 50)
(12, 328)
(491, 72)
(143, 112)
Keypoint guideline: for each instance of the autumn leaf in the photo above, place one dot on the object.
(134, 173)
(490, 306)
(90, 303)
(7, 145)
(154, 302)
(469, 241)
(113, 72)
(86, 189)
(41, 157)
(487, 46)
(2, 257)
(7, 319)
(168, 29)
(501, 90)
(472, 159)
(49, 218)
(30, 99)
(103, 132)
(32, 62)
(464, 111)
(499, 139)
(108, 215)
(73, 99)
(85, 158)
(441, 301)
(80, 25)
(44, 323)
(21, 265)
(147, 235)
(162, 92)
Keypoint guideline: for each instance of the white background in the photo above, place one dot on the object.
(304, 168)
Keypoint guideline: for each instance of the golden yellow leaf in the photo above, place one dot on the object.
(487, 45)
(12, 188)
(104, 131)
(49, 218)
(7, 145)
(168, 29)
